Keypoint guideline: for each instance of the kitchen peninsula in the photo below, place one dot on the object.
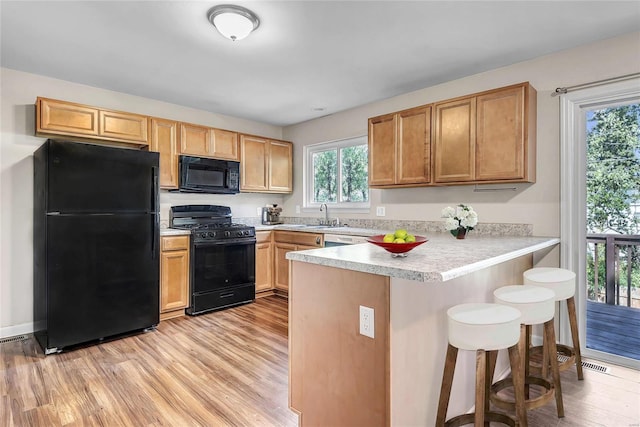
(339, 377)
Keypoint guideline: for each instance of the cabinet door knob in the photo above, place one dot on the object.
(318, 240)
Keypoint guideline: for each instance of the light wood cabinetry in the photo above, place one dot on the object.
(288, 241)
(400, 148)
(489, 137)
(455, 140)
(506, 134)
(204, 141)
(265, 165)
(82, 122)
(164, 140)
(264, 263)
(174, 276)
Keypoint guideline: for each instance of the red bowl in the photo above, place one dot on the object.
(396, 248)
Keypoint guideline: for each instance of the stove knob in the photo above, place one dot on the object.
(247, 232)
(227, 234)
(239, 233)
(203, 235)
(212, 234)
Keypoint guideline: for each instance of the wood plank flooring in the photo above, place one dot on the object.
(227, 368)
(613, 329)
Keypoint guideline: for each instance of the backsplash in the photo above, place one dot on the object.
(487, 229)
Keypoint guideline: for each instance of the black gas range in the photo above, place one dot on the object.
(222, 257)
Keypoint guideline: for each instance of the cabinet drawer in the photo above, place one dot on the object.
(263, 236)
(315, 240)
(174, 243)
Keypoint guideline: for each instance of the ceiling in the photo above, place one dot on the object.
(307, 59)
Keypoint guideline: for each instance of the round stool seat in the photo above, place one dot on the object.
(559, 280)
(483, 326)
(536, 304)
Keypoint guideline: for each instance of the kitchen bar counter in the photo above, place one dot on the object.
(440, 259)
(340, 377)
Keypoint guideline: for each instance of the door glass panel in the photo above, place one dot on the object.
(219, 266)
(613, 230)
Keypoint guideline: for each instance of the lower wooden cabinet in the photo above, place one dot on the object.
(174, 276)
(264, 263)
(288, 241)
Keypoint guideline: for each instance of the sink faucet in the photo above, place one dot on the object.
(326, 213)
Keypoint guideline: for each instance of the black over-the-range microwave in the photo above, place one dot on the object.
(213, 176)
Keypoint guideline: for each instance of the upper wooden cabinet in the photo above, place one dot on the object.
(489, 137)
(164, 139)
(455, 140)
(266, 166)
(208, 142)
(506, 134)
(400, 148)
(55, 118)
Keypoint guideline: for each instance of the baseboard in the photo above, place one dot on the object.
(11, 331)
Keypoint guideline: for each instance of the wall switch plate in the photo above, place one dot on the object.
(380, 211)
(297, 208)
(366, 322)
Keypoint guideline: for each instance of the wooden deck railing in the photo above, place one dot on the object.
(616, 259)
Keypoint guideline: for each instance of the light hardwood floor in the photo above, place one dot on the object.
(227, 368)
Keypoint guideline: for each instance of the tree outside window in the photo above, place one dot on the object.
(337, 173)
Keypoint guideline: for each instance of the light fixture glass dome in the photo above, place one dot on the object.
(233, 22)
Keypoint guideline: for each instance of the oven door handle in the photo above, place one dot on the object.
(224, 242)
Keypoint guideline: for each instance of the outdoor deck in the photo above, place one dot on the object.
(613, 329)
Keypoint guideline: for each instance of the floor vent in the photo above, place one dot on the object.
(587, 365)
(595, 367)
(14, 339)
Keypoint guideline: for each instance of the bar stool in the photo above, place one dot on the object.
(537, 306)
(482, 328)
(563, 283)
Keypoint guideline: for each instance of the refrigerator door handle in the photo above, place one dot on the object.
(155, 220)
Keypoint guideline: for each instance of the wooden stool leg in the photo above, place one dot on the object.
(518, 385)
(553, 358)
(545, 357)
(447, 381)
(525, 357)
(573, 322)
(481, 376)
(490, 368)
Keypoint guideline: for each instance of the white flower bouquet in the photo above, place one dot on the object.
(459, 220)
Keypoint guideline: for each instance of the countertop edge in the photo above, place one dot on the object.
(310, 256)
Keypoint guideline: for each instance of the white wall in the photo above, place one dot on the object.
(17, 144)
(537, 204)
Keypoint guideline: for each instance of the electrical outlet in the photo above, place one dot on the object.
(259, 211)
(366, 321)
(380, 211)
(297, 208)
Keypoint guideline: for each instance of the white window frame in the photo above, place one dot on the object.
(308, 174)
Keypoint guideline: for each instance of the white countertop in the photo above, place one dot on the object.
(440, 259)
(173, 232)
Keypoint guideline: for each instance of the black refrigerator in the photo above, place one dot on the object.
(96, 238)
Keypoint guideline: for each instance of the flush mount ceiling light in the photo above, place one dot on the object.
(233, 22)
